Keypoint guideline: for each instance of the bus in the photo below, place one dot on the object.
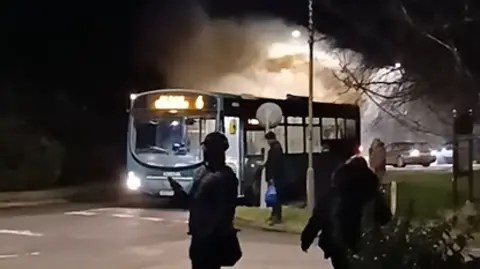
(166, 127)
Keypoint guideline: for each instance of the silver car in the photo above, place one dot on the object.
(401, 154)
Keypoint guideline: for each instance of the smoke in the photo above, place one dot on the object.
(255, 56)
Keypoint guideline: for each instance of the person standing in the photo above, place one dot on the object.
(377, 158)
(338, 214)
(275, 175)
(212, 201)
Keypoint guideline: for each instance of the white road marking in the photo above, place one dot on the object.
(80, 213)
(124, 216)
(8, 256)
(12, 256)
(152, 219)
(20, 232)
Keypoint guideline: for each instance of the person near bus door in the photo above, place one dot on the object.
(275, 174)
(212, 201)
(377, 158)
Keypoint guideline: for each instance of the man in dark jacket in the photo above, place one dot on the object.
(338, 215)
(275, 174)
(212, 202)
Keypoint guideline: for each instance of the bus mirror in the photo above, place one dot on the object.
(262, 152)
(189, 121)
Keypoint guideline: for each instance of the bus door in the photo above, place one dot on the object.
(234, 153)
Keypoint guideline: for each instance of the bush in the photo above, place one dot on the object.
(29, 160)
(402, 244)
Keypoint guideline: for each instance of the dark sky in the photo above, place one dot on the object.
(58, 44)
(89, 48)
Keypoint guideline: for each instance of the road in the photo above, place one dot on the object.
(90, 236)
(433, 167)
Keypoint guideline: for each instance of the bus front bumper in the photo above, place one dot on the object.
(152, 187)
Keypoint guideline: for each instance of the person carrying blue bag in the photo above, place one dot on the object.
(271, 196)
(275, 176)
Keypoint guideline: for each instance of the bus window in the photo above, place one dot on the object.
(351, 128)
(280, 133)
(208, 126)
(340, 128)
(295, 139)
(255, 142)
(328, 128)
(295, 120)
(315, 121)
(317, 142)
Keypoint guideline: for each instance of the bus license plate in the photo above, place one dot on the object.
(166, 193)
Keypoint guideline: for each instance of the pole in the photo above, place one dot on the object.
(471, 196)
(263, 182)
(455, 162)
(310, 172)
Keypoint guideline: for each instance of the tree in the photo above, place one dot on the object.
(433, 43)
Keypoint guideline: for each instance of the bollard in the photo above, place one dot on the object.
(393, 197)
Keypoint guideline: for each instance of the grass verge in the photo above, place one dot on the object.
(430, 192)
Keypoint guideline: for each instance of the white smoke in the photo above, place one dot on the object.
(258, 57)
(253, 57)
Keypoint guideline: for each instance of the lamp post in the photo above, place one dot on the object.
(310, 172)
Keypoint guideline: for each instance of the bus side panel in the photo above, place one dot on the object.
(295, 175)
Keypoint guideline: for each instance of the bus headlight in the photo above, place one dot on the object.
(133, 182)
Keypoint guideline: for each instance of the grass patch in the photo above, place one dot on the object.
(294, 219)
(430, 192)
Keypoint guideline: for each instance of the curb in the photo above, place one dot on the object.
(263, 227)
(7, 205)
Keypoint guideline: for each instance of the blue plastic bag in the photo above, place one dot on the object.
(271, 196)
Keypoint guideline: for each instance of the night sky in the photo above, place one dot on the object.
(88, 48)
(91, 50)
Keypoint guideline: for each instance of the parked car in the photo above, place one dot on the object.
(401, 154)
(446, 152)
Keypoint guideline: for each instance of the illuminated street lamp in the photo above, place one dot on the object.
(296, 33)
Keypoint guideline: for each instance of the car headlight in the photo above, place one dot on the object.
(415, 153)
(133, 181)
(433, 152)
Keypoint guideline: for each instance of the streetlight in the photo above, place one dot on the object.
(296, 33)
(310, 172)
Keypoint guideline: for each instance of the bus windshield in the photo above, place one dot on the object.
(170, 141)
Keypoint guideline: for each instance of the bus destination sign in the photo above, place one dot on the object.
(179, 102)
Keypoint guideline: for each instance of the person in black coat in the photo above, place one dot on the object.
(338, 214)
(275, 174)
(212, 201)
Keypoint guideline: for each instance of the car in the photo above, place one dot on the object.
(401, 154)
(446, 151)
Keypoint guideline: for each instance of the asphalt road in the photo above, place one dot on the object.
(91, 236)
(433, 167)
